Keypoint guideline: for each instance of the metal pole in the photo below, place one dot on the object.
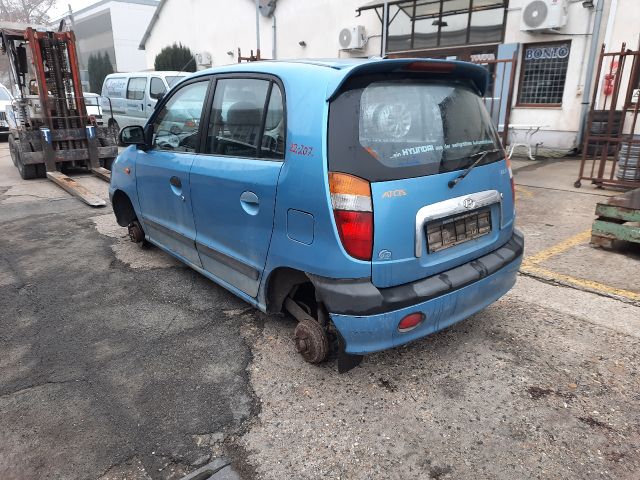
(273, 42)
(593, 53)
(73, 28)
(385, 21)
(258, 25)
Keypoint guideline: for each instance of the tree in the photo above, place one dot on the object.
(26, 11)
(176, 57)
(99, 66)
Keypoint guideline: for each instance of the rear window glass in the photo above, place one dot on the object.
(407, 128)
(4, 95)
(171, 81)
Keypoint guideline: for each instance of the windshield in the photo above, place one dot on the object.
(4, 95)
(409, 128)
(171, 81)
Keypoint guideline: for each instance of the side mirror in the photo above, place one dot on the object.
(132, 135)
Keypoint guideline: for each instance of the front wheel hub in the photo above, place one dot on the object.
(136, 234)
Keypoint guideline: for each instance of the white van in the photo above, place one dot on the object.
(133, 96)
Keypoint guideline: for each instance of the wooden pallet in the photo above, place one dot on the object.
(618, 219)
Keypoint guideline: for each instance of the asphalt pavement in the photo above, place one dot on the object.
(122, 363)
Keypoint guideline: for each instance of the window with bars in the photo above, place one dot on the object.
(543, 73)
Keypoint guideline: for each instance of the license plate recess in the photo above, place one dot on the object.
(448, 232)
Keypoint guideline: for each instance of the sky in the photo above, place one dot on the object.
(62, 7)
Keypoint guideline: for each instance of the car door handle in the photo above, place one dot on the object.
(176, 182)
(250, 202)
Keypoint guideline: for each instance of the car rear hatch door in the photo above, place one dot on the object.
(411, 133)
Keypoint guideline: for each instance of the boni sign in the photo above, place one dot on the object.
(548, 52)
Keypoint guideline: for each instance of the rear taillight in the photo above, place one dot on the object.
(353, 213)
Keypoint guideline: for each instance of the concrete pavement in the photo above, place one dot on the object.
(122, 363)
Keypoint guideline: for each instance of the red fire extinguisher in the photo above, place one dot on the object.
(609, 79)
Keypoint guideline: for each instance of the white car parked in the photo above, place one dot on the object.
(133, 96)
(5, 103)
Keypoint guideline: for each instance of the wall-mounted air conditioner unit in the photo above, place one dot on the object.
(203, 59)
(352, 38)
(540, 15)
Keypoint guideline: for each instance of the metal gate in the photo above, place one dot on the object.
(499, 96)
(611, 148)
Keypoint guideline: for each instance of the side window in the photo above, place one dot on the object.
(176, 126)
(236, 117)
(273, 136)
(135, 88)
(157, 88)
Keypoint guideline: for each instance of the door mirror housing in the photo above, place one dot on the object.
(133, 135)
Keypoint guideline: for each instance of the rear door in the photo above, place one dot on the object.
(135, 102)
(409, 139)
(162, 172)
(234, 181)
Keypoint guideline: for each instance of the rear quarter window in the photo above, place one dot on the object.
(114, 87)
(390, 128)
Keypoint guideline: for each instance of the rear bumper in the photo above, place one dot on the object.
(367, 317)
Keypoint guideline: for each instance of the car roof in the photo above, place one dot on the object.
(335, 72)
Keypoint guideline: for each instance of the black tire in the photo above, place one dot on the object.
(27, 172)
(12, 150)
(114, 131)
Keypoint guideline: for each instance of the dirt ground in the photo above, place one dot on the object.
(122, 363)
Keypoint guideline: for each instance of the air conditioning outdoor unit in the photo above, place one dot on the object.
(540, 15)
(203, 59)
(352, 38)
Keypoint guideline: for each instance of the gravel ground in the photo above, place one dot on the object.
(517, 391)
(119, 363)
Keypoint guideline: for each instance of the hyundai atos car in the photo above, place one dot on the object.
(369, 199)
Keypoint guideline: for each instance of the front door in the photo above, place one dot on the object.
(233, 183)
(162, 172)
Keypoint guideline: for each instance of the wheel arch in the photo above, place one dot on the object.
(280, 283)
(123, 208)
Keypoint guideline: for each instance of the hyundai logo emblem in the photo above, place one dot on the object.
(468, 203)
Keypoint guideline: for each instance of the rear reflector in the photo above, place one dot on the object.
(411, 321)
(353, 213)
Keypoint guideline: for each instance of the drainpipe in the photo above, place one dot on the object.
(257, 25)
(273, 41)
(586, 94)
(385, 21)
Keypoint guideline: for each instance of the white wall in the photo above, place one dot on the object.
(560, 124)
(219, 26)
(129, 24)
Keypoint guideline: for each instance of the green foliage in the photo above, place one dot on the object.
(176, 57)
(99, 66)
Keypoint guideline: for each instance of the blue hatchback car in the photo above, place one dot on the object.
(369, 199)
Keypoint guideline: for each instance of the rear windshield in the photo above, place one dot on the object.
(391, 129)
(171, 81)
(4, 94)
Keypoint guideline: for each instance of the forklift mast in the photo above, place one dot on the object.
(59, 87)
(52, 129)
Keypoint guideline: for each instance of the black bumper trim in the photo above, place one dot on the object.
(361, 297)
